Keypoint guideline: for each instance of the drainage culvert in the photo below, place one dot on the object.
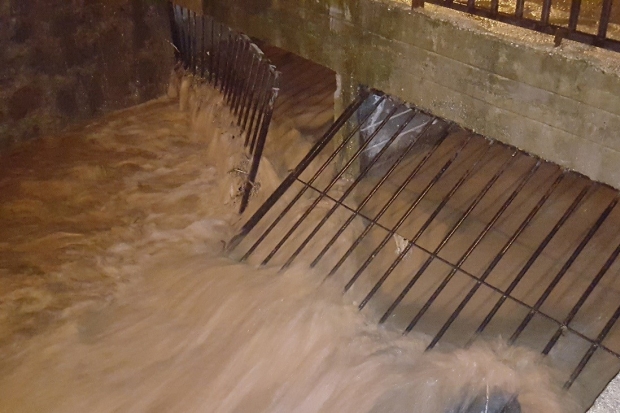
(442, 233)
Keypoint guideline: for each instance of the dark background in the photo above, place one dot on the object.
(66, 61)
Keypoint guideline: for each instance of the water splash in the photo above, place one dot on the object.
(127, 220)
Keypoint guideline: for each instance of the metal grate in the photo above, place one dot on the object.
(438, 231)
(595, 23)
(230, 62)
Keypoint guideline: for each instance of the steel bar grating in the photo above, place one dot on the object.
(442, 233)
(595, 24)
(234, 65)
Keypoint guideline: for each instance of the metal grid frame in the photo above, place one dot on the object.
(234, 65)
(274, 237)
(569, 31)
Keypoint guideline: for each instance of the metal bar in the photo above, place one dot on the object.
(545, 12)
(229, 77)
(231, 50)
(238, 68)
(248, 81)
(374, 221)
(197, 43)
(249, 186)
(192, 25)
(534, 24)
(241, 68)
(231, 57)
(595, 345)
(519, 9)
(372, 192)
(496, 260)
(604, 20)
(257, 97)
(567, 214)
(226, 58)
(443, 243)
(423, 228)
(245, 68)
(174, 31)
(260, 108)
(331, 183)
(222, 56)
(183, 37)
(494, 8)
(612, 258)
(564, 269)
(290, 179)
(178, 21)
(574, 15)
(474, 244)
(408, 212)
(217, 28)
(473, 277)
(249, 98)
(212, 52)
(445, 240)
(188, 40)
(263, 105)
(203, 53)
(351, 187)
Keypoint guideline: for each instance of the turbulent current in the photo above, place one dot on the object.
(117, 297)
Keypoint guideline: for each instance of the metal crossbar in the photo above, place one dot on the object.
(490, 241)
(578, 25)
(233, 64)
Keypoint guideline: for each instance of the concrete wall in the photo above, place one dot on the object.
(66, 61)
(504, 82)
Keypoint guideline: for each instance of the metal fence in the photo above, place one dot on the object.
(235, 66)
(587, 22)
(491, 241)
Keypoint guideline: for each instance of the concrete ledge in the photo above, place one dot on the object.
(506, 83)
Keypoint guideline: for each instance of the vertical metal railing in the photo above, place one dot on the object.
(551, 19)
(231, 63)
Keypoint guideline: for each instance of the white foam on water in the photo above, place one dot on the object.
(184, 329)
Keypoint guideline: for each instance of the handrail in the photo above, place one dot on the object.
(566, 30)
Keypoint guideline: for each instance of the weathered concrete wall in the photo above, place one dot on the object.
(65, 61)
(503, 82)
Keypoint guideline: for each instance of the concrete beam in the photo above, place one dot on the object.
(503, 82)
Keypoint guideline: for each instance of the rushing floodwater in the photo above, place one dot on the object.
(116, 296)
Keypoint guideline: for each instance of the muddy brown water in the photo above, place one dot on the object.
(116, 295)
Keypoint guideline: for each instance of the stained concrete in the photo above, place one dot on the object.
(63, 62)
(561, 103)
